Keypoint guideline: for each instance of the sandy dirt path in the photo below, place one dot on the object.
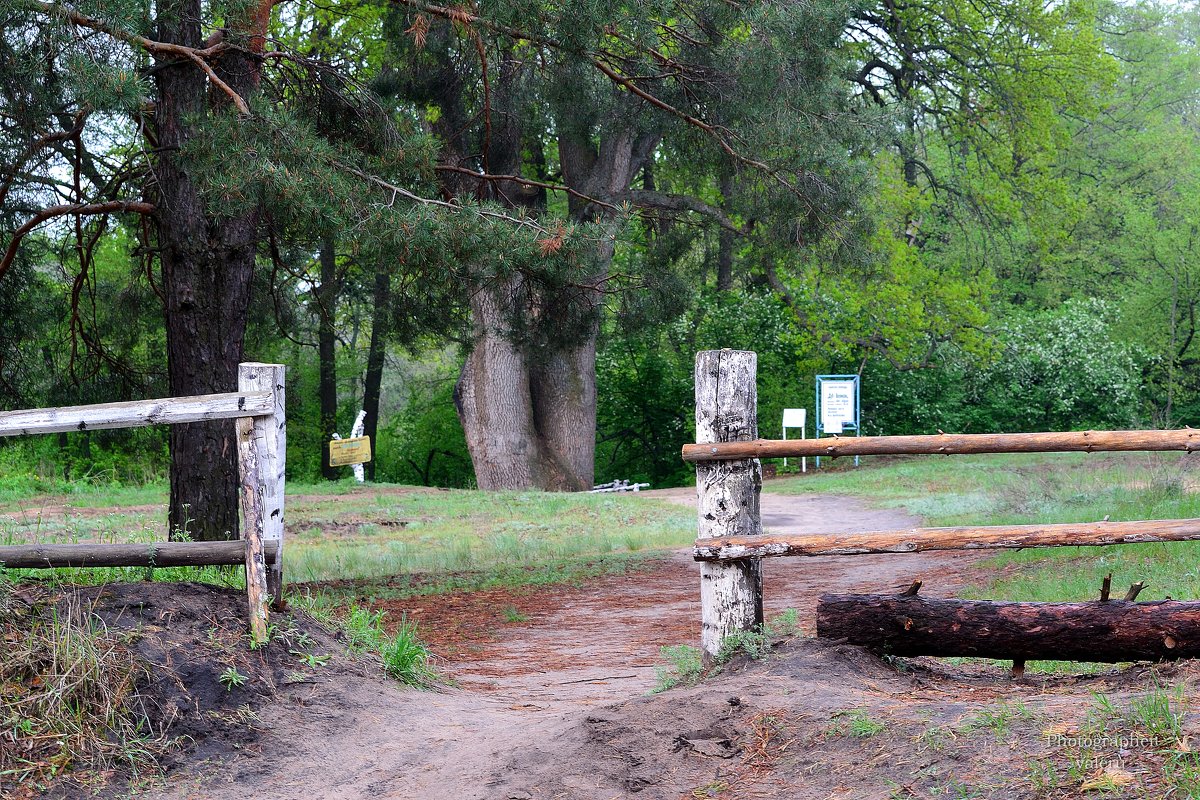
(520, 692)
(600, 643)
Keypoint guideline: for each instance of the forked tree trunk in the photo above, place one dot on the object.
(529, 418)
(207, 265)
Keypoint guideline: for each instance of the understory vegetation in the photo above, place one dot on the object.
(70, 695)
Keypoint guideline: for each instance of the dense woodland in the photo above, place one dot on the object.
(504, 228)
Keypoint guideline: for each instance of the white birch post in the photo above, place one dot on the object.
(270, 446)
(727, 493)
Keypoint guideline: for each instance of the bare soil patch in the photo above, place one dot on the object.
(552, 696)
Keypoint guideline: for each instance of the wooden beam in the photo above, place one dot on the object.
(152, 554)
(136, 414)
(1110, 632)
(731, 594)
(915, 540)
(270, 440)
(1186, 440)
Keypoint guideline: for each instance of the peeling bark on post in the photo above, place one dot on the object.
(253, 486)
(270, 438)
(728, 493)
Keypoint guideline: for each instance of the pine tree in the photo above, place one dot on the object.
(579, 112)
(180, 112)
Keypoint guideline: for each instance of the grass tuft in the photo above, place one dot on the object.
(404, 657)
(69, 695)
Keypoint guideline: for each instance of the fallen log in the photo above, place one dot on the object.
(915, 540)
(1105, 631)
(152, 554)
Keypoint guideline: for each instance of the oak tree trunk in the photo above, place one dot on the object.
(529, 418)
(207, 263)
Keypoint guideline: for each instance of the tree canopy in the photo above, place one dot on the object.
(503, 228)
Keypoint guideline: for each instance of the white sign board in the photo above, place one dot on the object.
(837, 405)
(794, 417)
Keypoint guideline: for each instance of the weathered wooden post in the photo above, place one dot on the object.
(727, 493)
(261, 455)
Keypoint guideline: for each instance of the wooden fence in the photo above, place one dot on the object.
(258, 408)
(730, 539)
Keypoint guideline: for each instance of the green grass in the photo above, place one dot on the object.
(70, 695)
(405, 658)
(857, 723)
(1043, 488)
(416, 540)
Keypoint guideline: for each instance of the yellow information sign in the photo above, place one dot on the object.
(344, 452)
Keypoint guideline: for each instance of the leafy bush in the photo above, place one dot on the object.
(1059, 369)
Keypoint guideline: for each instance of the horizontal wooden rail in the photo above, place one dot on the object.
(153, 554)
(915, 540)
(137, 413)
(948, 444)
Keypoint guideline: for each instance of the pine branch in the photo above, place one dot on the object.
(715, 132)
(198, 56)
(679, 202)
(552, 187)
(77, 209)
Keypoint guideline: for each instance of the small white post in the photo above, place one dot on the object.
(727, 493)
(360, 474)
(269, 439)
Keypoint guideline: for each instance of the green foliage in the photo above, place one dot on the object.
(404, 657)
(685, 669)
(232, 679)
(423, 443)
(1060, 369)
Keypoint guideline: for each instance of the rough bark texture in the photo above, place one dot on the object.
(731, 593)
(914, 540)
(947, 444)
(326, 302)
(376, 356)
(207, 264)
(1111, 631)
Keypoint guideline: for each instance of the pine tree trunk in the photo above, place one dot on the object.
(207, 265)
(326, 297)
(380, 332)
(725, 243)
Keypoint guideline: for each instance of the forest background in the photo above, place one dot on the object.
(990, 211)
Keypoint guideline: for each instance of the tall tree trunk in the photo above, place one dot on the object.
(380, 332)
(529, 418)
(207, 265)
(326, 297)
(725, 241)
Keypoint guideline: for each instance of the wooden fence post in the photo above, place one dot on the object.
(727, 493)
(261, 454)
